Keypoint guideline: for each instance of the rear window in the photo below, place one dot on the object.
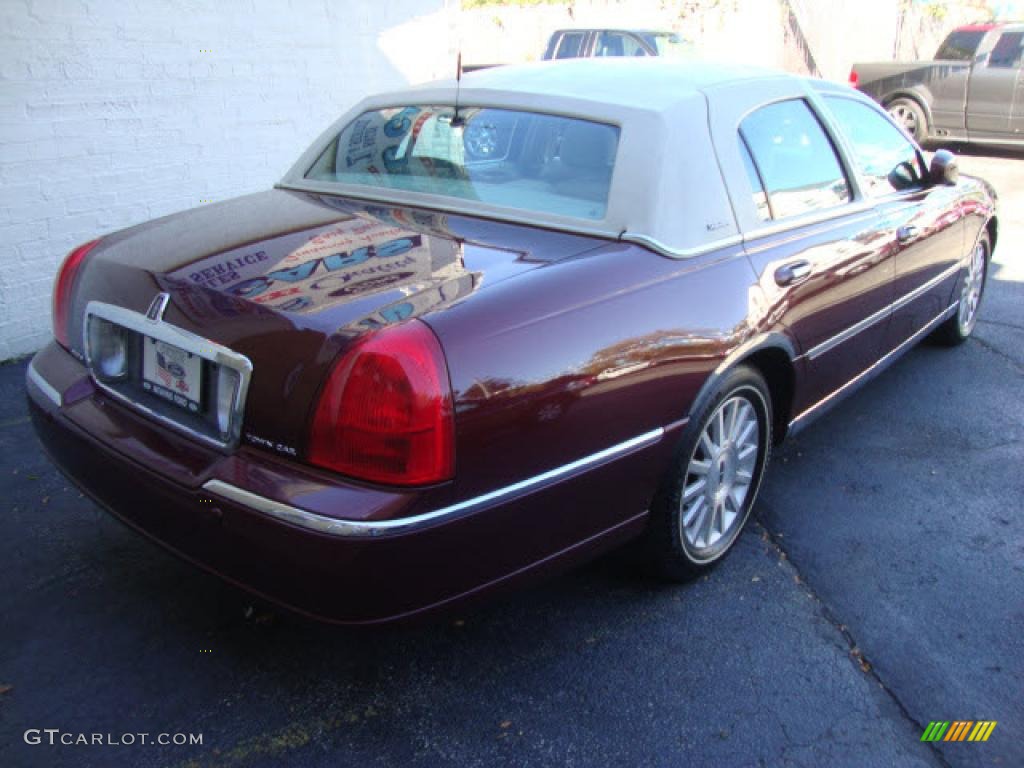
(521, 160)
(960, 45)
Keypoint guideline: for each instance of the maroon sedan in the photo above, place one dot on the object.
(479, 333)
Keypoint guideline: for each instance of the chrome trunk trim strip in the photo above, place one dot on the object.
(334, 527)
(680, 253)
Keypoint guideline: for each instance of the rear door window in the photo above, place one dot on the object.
(618, 44)
(795, 159)
(1007, 52)
(571, 45)
(756, 185)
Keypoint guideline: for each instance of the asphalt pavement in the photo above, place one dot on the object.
(880, 587)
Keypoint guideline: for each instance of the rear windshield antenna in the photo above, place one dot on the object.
(456, 120)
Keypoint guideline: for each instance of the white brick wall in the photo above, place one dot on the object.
(117, 111)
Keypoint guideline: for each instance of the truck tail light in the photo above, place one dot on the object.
(62, 290)
(854, 78)
(385, 414)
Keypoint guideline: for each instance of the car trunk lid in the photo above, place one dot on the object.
(289, 280)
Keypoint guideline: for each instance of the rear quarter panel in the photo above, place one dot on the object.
(884, 81)
(586, 353)
(885, 75)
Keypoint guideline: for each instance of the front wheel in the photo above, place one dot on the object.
(959, 327)
(707, 494)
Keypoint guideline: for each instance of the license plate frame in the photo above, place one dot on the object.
(218, 424)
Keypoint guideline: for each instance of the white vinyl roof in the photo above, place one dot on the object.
(666, 187)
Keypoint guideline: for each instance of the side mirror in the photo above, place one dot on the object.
(944, 168)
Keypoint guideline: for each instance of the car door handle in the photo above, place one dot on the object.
(906, 234)
(791, 273)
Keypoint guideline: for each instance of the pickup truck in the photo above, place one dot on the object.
(587, 43)
(973, 91)
(584, 43)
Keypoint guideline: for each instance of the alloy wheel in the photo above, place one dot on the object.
(720, 475)
(906, 117)
(970, 297)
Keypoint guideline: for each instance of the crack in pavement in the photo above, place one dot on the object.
(844, 631)
(1000, 322)
(997, 351)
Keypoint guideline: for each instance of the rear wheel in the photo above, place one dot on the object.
(911, 117)
(958, 328)
(706, 496)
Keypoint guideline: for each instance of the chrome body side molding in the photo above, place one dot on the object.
(347, 528)
(870, 372)
(882, 314)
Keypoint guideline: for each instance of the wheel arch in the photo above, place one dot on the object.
(780, 374)
(772, 355)
(917, 97)
(992, 228)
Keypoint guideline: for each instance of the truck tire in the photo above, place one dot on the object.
(910, 117)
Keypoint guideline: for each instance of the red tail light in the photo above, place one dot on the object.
(385, 414)
(62, 290)
(854, 78)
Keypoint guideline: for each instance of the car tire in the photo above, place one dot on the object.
(707, 494)
(958, 328)
(909, 115)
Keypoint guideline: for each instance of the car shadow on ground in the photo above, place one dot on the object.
(246, 623)
(129, 638)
